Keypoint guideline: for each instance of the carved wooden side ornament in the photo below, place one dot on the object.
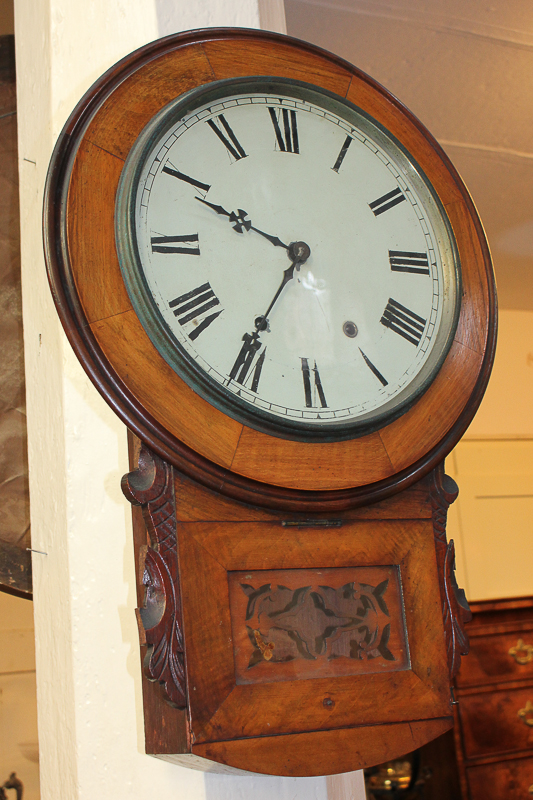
(151, 486)
(455, 609)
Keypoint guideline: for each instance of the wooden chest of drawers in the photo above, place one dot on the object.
(494, 715)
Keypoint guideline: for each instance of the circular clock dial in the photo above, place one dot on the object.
(287, 258)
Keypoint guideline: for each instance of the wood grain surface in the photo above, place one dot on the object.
(201, 441)
(370, 713)
(493, 733)
(324, 753)
(221, 708)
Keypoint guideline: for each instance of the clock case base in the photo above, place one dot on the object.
(286, 644)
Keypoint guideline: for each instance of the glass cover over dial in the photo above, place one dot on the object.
(287, 257)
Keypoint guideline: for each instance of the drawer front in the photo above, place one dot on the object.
(497, 722)
(497, 657)
(507, 780)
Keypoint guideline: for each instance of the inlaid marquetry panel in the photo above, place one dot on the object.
(305, 623)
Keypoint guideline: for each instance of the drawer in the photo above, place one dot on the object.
(490, 722)
(506, 780)
(489, 660)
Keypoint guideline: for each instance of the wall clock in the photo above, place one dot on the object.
(273, 274)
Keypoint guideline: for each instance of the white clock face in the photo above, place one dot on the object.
(287, 258)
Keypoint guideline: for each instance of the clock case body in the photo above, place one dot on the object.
(228, 518)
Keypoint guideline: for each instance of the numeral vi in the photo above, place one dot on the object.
(306, 375)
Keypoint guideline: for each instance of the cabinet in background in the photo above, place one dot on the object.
(494, 689)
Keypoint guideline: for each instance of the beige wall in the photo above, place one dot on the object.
(491, 522)
(19, 751)
(507, 408)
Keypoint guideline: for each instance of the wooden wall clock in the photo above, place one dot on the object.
(274, 275)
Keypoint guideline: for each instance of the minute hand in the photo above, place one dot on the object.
(298, 252)
(239, 222)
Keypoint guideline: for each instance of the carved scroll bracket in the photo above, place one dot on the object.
(455, 609)
(151, 486)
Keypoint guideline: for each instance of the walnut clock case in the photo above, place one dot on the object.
(274, 275)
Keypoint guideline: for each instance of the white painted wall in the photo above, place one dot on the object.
(88, 672)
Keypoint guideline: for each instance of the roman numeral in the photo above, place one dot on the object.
(405, 261)
(374, 370)
(192, 305)
(306, 374)
(388, 200)
(286, 129)
(226, 136)
(181, 177)
(400, 320)
(166, 244)
(243, 364)
(340, 157)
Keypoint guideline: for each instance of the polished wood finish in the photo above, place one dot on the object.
(232, 710)
(201, 441)
(494, 736)
(353, 530)
(323, 753)
(512, 780)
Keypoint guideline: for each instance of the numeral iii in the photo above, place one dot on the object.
(405, 261)
(167, 244)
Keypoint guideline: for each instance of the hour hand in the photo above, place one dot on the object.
(239, 218)
(242, 224)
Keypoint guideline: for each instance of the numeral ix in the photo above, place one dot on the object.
(167, 244)
(194, 304)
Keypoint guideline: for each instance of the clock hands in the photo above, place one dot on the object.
(240, 223)
(298, 252)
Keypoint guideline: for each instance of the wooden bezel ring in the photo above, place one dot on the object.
(152, 400)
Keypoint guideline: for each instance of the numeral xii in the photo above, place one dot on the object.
(286, 129)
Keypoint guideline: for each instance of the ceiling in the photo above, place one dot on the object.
(466, 70)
